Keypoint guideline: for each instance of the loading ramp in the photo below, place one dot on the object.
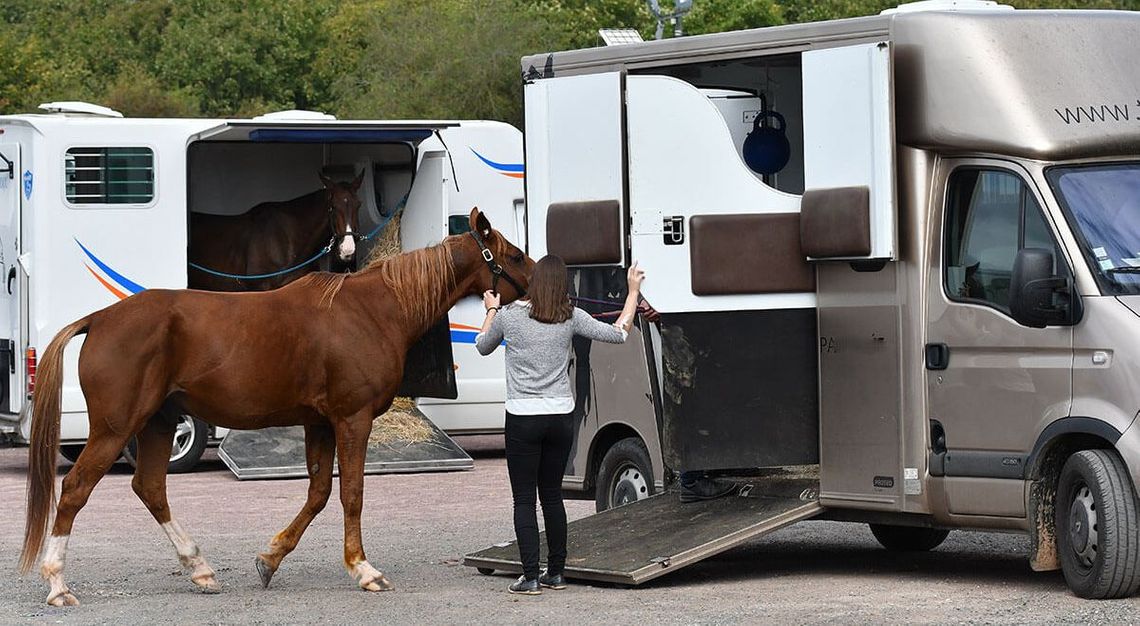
(649, 538)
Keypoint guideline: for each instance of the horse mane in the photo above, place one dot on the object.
(328, 283)
(417, 278)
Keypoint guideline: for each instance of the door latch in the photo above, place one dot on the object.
(937, 356)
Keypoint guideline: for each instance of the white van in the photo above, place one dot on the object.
(94, 207)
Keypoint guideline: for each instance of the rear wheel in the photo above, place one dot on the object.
(190, 437)
(1097, 526)
(908, 538)
(625, 475)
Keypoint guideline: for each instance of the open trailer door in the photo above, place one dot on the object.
(643, 540)
(575, 182)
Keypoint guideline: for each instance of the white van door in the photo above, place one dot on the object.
(849, 136)
(703, 225)
(11, 337)
(575, 186)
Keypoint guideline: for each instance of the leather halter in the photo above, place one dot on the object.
(497, 270)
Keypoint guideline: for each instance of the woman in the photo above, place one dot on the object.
(539, 426)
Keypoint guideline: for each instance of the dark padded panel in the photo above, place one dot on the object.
(753, 253)
(836, 222)
(585, 233)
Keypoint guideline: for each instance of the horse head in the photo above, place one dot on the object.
(506, 264)
(344, 209)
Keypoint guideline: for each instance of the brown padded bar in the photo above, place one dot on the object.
(585, 233)
(748, 254)
(836, 222)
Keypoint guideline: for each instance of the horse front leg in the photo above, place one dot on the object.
(351, 447)
(320, 445)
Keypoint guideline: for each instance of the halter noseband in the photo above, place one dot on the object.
(497, 270)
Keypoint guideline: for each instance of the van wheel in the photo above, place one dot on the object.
(189, 443)
(908, 538)
(625, 475)
(71, 451)
(1097, 532)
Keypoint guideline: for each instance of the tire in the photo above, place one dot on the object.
(908, 538)
(1098, 536)
(189, 444)
(486, 571)
(625, 475)
(71, 451)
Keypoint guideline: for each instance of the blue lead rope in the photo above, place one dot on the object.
(328, 248)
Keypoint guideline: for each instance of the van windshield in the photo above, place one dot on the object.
(1102, 203)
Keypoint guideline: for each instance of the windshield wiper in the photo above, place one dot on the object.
(1131, 269)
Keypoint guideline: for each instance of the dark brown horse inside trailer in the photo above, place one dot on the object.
(326, 352)
(275, 243)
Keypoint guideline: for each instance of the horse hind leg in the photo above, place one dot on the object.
(320, 445)
(154, 444)
(352, 444)
(102, 449)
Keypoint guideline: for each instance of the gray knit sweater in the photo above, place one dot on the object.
(538, 356)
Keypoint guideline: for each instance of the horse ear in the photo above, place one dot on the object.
(326, 181)
(357, 181)
(480, 223)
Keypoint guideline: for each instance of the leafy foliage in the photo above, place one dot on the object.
(354, 58)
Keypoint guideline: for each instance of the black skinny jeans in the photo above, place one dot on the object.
(538, 447)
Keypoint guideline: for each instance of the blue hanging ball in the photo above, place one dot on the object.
(766, 149)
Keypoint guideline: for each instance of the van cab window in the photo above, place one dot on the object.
(101, 176)
(990, 215)
(1102, 203)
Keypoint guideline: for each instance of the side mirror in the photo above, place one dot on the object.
(1038, 298)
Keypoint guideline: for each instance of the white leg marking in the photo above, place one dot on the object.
(347, 245)
(200, 571)
(52, 571)
(370, 578)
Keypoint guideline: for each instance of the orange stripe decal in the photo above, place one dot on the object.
(118, 294)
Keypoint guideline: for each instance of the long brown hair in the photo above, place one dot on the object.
(549, 301)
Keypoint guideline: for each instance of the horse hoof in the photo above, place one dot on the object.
(380, 583)
(207, 584)
(63, 599)
(264, 571)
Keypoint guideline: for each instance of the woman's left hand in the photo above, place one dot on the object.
(490, 300)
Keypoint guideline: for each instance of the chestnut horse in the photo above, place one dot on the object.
(274, 236)
(326, 352)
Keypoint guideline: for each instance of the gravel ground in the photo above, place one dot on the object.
(417, 527)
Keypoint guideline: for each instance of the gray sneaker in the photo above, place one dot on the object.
(556, 581)
(525, 586)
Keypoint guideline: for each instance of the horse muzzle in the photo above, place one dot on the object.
(346, 249)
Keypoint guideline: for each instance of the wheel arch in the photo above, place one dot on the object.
(1064, 437)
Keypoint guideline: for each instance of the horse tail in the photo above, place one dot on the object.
(44, 443)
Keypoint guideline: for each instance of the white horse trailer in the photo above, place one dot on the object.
(94, 208)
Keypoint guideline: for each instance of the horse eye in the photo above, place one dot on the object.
(517, 257)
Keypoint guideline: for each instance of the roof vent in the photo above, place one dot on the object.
(948, 5)
(79, 108)
(294, 114)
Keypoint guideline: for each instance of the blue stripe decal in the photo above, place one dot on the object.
(502, 167)
(123, 281)
(463, 336)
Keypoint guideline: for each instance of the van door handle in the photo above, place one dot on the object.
(937, 356)
(11, 277)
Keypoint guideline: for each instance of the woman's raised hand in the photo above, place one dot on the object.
(490, 300)
(635, 276)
